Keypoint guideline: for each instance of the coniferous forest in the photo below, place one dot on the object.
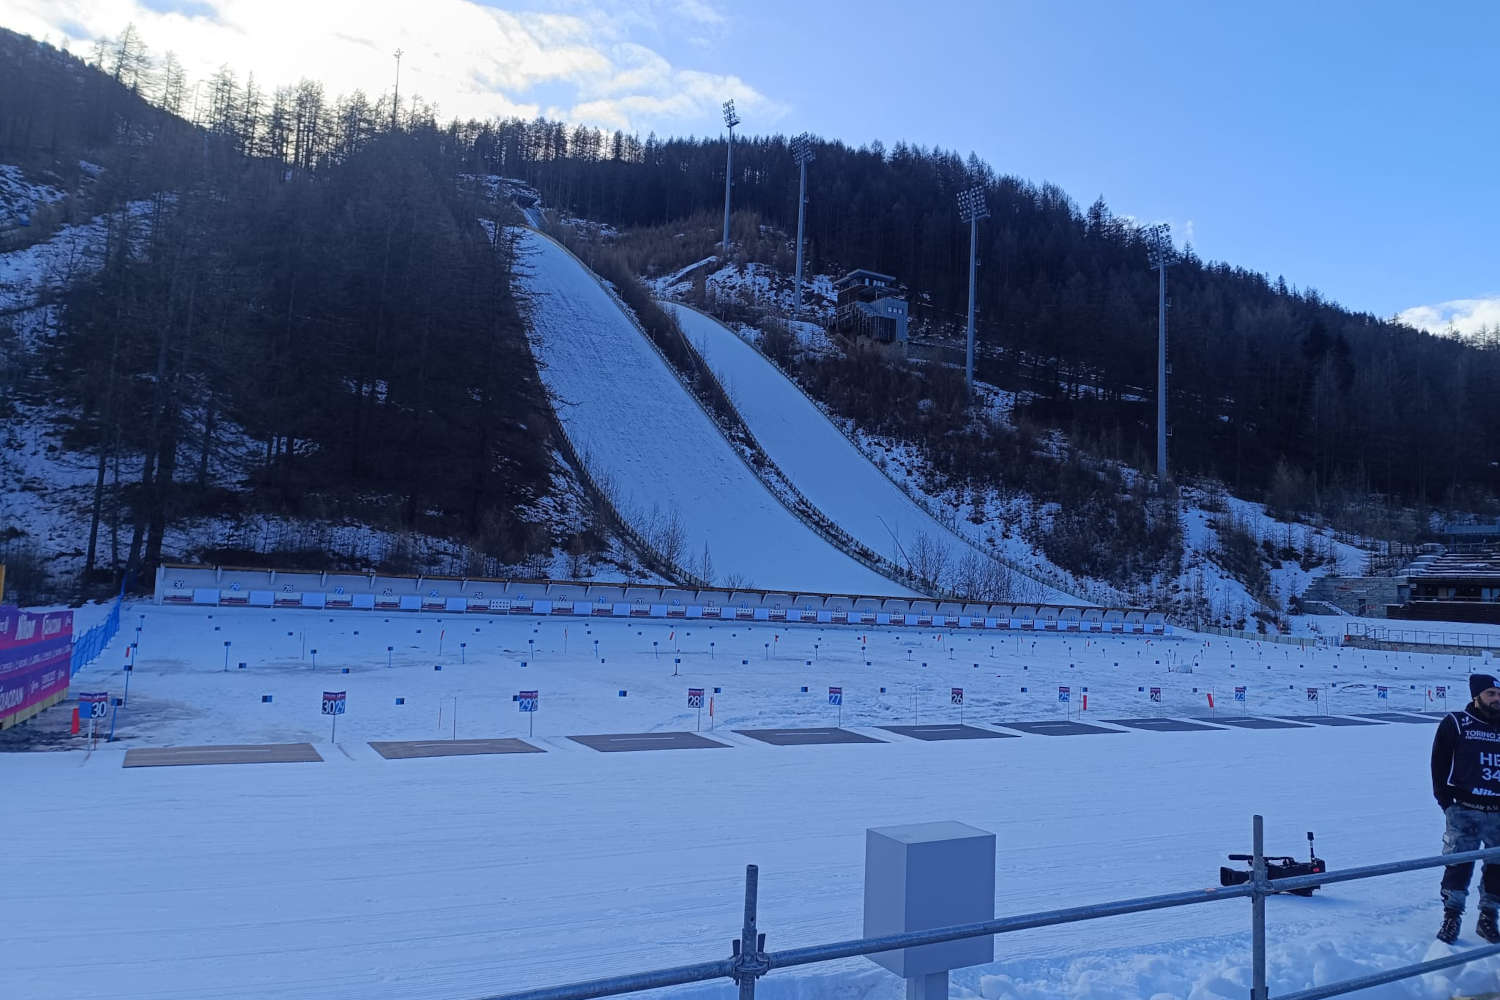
(300, 271)
(320, 273)
(1263, 373)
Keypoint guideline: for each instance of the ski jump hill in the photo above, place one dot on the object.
(660, 458)
(823, 463)
(639, 431)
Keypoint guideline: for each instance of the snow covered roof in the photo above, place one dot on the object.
(860, 274)
(1484, 565)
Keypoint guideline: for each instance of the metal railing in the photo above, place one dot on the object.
(1234, 633)
(1422, 637)
(749, 960)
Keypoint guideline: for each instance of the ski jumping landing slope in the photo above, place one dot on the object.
(625, 411)
(822, 463)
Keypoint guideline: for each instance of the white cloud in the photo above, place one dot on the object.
(1465, 317)
(471, 60)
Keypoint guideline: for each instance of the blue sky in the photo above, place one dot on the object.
(1353, 147)
(1350, 146)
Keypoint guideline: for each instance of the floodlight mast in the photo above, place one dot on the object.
(731, 120)
(801, 152)
(971, 208)
(396, 96)
(1162, 255)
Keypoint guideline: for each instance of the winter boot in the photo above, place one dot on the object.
(1486, 928)
(1448, 933)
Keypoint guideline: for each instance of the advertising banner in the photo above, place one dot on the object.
(35, 651)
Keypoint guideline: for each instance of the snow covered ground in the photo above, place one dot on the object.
(20, 198)
(1229, 599)
(181, 693)
(821, 462)
(462, 877)
(627, 414)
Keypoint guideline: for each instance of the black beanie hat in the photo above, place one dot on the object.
(1481, 682)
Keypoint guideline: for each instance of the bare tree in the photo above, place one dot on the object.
(997, 581)
(673, 540)
(929, 559)
(968, 574)
(171, 85)
(577, 555)
(128, 60)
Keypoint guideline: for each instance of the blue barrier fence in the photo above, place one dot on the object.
(88, 647)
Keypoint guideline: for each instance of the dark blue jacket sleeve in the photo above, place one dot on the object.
(1443, 745)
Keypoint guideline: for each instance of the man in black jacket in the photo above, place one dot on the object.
(1466, 783)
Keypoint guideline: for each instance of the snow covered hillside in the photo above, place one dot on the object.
(675, 477)
(456, 877)
(1212, 582)
(46, 507)
(20, 202)
(826, 467)
(1210, 522)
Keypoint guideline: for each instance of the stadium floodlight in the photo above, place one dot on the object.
(731, 120)
(972, 208)
(396, 97)
(1162, 255)
(801, 152)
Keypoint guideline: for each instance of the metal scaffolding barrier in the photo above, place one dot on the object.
(750, 961)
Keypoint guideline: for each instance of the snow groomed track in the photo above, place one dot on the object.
(635, 424)
(823, 464)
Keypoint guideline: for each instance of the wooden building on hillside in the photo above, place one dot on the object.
(870, 304)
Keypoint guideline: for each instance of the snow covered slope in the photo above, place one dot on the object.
(625, 411)
(819, 459)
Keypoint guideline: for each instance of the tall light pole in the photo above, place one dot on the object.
(971, 208)
(730, 119)
(396, 94)
(801, 152)
(1162, 254)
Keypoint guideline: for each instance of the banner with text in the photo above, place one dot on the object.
(34, 653)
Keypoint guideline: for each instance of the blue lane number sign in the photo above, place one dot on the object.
(528, 701)
(333, 702)
(836, 696)
(695, 697)
(957, 697)
(93, 705)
